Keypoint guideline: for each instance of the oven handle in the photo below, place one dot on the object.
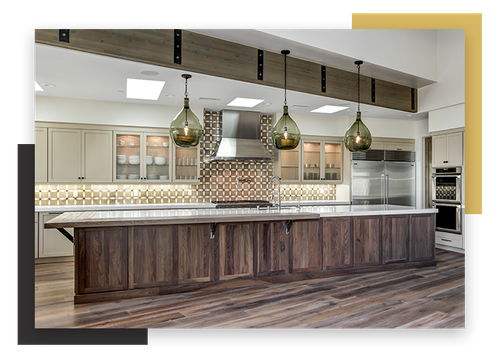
(446, 204)
(437, 175)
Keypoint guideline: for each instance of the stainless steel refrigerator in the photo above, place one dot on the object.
(383, 177)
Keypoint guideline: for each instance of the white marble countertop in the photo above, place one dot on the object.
(321, 211)
(165, 206)
(193, 216)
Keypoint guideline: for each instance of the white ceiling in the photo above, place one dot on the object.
(83, 75)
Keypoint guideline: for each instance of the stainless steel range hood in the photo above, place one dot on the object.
(240, 139)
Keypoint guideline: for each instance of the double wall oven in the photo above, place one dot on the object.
(447, 198)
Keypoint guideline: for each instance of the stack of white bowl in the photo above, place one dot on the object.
(149, 160)
(121, 159)
(133, 176)
(134, 160)
(163, 177)
(160, 160)
(121, 177)
(152, 177)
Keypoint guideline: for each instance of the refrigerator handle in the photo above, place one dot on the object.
(384, 184)
(387, 188)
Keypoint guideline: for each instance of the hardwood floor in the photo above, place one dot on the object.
(432, 297)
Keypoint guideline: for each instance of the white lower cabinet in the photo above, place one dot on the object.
(51, 242)
(36, 235)
(449, 239)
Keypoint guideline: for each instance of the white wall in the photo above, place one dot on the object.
(450, 87)
(447, 118)
(108, 113)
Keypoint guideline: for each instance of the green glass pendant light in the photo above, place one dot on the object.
(285, 133)
(185, 129)
(358, 138)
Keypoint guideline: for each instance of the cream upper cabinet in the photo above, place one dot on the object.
(447, 150)
(97, 156)
(41, 155)
(393, 144)
(315, 160)
(79, 155)
(142, 157)
(65, 155)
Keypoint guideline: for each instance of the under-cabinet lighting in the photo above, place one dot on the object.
(245, 102)
(144, 89)
(328, 109)
(38, 88)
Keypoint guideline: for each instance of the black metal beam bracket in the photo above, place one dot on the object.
(260, 65)
(323, 79)
(177, 46)
(64, 36)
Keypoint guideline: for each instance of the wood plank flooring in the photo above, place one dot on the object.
(432, 297)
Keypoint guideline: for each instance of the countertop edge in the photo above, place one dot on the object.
(86, 219)
(64, 222)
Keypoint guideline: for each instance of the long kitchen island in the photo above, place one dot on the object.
(127, 254)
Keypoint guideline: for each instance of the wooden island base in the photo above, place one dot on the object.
(129, 261)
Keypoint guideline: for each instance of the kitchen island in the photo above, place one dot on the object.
(126, 254)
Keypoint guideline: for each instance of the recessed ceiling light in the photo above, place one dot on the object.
(245, 102)
(328, 109)
(300, 105)
(169, 95)
(49, 85)
(38, 88)
(267, 103)
(150, 73)
(144, 89)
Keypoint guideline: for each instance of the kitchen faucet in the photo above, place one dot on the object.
(279, 190)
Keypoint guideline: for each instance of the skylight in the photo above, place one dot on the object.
(144, 89)
(328, 109)
(38, 88)
(245, 102)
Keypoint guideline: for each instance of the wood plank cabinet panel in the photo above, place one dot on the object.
(422, 237)
(305, 246)
(194, 254)
(152, 256)
(337, 243)
(101, 259)
(395, 235)
(235, 250)
(366, 234)
(272, 249)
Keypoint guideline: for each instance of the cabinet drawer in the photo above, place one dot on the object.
(450, 241)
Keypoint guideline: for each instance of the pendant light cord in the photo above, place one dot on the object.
(286, 105)
(285, 80)
(358, 86)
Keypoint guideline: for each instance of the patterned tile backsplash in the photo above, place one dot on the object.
(218, 181)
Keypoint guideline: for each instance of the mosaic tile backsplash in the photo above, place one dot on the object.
(218, 181)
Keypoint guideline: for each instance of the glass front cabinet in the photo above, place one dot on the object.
(315, 160)
(151, 157)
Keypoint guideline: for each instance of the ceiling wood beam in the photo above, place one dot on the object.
(211, 56)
